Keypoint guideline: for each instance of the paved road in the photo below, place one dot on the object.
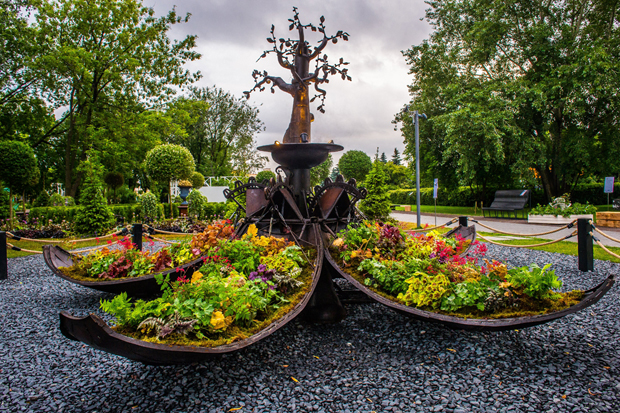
(514, 226)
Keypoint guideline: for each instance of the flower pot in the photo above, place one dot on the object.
(184, 193)
(555, 220)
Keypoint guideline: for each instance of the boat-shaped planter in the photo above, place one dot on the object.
(95, 332)
(57, 257)
(590, 297)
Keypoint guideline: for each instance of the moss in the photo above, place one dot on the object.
(79, 273)
(235, 333)
(526, 307)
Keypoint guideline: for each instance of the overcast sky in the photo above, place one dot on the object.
(232, 36)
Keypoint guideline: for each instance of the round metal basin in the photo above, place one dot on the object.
(300, 155)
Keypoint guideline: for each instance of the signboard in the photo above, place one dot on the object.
(609, 185)
(435, 188)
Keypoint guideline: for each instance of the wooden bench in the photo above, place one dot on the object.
(510, 201)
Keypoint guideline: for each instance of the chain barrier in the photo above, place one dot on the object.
(568, 226)
(528, 246)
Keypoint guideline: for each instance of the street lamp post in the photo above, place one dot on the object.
(416, 121)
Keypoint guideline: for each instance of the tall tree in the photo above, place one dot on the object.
(396, 157)
(220, 131)
(383, 158)
(511, 85)
(354, 164)
(107, 62)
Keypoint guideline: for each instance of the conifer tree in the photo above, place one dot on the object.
(94, 215)
(377, 202)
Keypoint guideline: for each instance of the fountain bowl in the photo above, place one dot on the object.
(300, 155)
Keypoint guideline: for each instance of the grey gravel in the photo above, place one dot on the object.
(375, 360)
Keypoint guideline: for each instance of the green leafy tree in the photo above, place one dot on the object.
(198, 180)
(114, 180)
(107, 62)
(18, 168)
(376, 205)
(319, 173)
(197, 203)
(94, 215)
(220, 131)
(354, 164)
(398, 176)
(512, 85)
(168, 162)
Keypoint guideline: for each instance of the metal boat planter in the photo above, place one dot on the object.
(56, 257)
(95, 332)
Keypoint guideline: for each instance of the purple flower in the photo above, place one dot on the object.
(262, 267)
(252, 275)
(272, 287)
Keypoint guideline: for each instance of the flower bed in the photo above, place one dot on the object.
(427, 272)
(243, 287)
(127, 262)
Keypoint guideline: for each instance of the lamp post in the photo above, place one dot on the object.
(416, 121)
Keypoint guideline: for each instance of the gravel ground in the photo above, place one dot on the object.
(375, 360)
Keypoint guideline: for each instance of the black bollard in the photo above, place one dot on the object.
(4, 270)
(585, 246)
(463, 221)
(137, 236)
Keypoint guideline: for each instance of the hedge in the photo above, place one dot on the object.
(130, 212)
(463, 196)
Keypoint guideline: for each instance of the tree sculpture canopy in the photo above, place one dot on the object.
(296, 56)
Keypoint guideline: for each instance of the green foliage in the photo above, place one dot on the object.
(265, 176)
(376, 205)
(93, 215)
(197, 202)
(460, 196)
(114, 180)
(536, 282)
(167, 162)
(319, 173)
(396, 157)
(390, 276)
(58, 200)
(465, 294)
(220, 130)
(242, 255)
(425, 290)
(42, 200)
(574, 209)
(198, 180)
(148, 202)
(509, 94)
(354, 164)
(107, 64)
(18, 165)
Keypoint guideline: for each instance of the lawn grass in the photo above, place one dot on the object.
(38, 246)
(562, 247)
(449, 210)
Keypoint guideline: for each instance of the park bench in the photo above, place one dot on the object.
(510, 201)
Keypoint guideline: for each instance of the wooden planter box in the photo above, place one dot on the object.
(608, 219)
(552, 219)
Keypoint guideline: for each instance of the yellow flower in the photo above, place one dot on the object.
(252, 231)
(354, 254)
(196, 276)
(338, 243)
(218, 321)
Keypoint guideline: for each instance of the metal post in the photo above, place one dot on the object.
(463, 221)
(416, 121)
(4, 270)
(585, 246)
(137, 236)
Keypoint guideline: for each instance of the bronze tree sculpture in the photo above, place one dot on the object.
(296, 56)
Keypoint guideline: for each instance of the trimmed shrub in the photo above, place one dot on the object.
(198, 180)
(148, 202)
(355, 164)
(42, 200)
(196, 202)
(265, 175)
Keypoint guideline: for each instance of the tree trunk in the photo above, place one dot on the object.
(300, 116)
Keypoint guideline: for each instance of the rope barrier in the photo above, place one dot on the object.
(14, 248)
(528, 246)
(605, 235)
(436, 227)
(16, 238)
(166, 232)
(159, 239)
(600, 244)
(572, 224)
